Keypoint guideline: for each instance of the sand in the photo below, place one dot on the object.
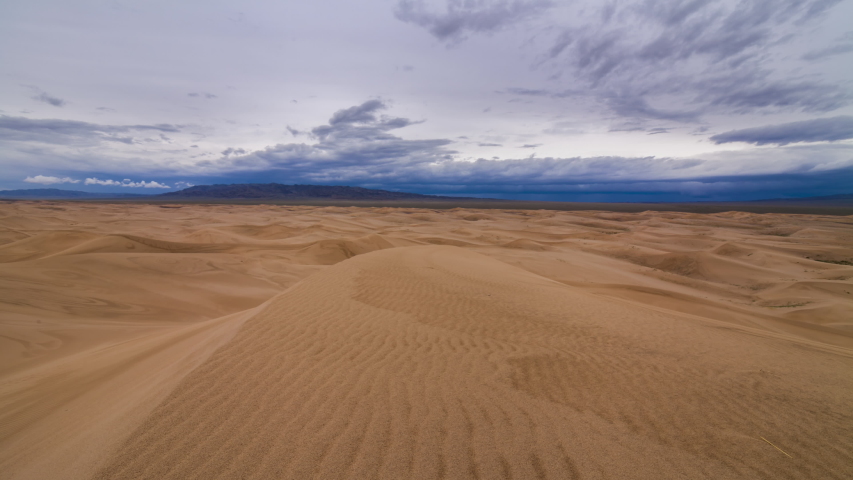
(253, 341)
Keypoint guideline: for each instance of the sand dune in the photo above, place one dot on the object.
(42, 244)
(432, 362)
(309, 342)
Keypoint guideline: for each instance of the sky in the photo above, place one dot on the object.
(577, 100)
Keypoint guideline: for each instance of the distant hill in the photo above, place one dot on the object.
(278, 191)
(49, 193)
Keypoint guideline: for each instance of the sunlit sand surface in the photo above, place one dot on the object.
(224, 341)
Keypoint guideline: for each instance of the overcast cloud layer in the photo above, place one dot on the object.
(585, 100)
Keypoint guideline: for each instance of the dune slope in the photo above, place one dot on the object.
(508, 344)
(440, 362)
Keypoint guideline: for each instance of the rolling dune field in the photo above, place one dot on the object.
(268, 341)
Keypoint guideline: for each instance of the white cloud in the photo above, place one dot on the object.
(183, 184)
(125, 183)
(48, 180)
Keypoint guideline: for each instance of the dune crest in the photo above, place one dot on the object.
(436, 362)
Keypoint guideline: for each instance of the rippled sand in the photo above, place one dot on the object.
(194, 341)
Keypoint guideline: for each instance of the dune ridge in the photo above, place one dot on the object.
(254, 341)
(435, 362)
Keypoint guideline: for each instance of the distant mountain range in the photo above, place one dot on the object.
(277, 191)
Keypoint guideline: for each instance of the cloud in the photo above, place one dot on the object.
(363, 145)
(464, 16)
(71, 132)
(750, 173)
(48, 180)
(828, 52)
(125, 183)
(357, 138)
(535, 92)
(208, 96)
(746, 174)
(840, 48)
(42, 96)
(489, 145)
(818, 130)
(233, 151)
(725, 172)
(658, 130)
(183, 184)
(681, 59)
(359, 147)
(360, 123)
(566, 128)
(633, 106)
(643, 34)
(750, 95)
(364, 113)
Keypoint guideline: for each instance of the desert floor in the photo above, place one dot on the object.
(240, 341)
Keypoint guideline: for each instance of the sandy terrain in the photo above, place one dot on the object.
(217, 341)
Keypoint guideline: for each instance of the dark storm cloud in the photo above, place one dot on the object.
(746, 187)
(818, 130)
(70, 132)
(662, 177)
(799, 170)
(718, 188)
(546, 171)
(464, 16)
